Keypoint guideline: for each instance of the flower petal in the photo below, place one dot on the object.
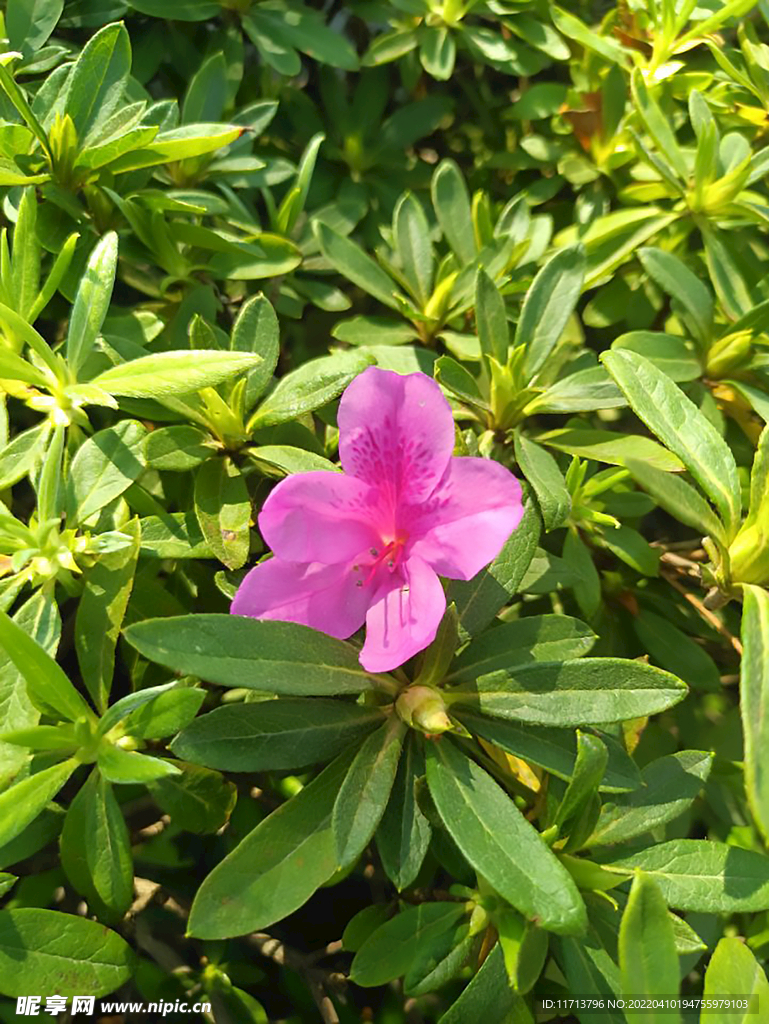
(466, 521)
(395, 432)
(322, 596)
(320, 517)
(403, 618)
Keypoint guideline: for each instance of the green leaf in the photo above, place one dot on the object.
(126, 766)
(491, 318)
(166, 713)
(373, 330)
(286, 458)
(669, 785)
(658, 126)
(589, 769)
(552, 749)
(22, 803)
(678, 498)
(734, 972)
(305, 29)
(256, 330)
(669, 353)
(311, 386)
(363, 795)
(276, 868)
(275, 735)
(647, 951)
(357, 266)
(703, 875)
(178, 448)
(100, 869)
(590, 691)
(25, 272)
(451, 202)
(95, 86)
(411, 234)
(500, 843)
(404, 833)
(459, 381)
(672, 649)
(29, 23)
(190, 140)
(206, 94)
(173, 373)
(260, 654)
(679, 424)
(47, 685)
(530, 639)
(393, 949)
(13, 367)
(574, 29)
(173, 535)
(104, 467)
(197, 799)
(541, 470)
(590, 970)
(179, 10)
(438, 52)
(674, 277)
(489, 987)
(614, 448)
(549, 303)
(99, 617)
(39, 617)
(127, 705)
(478, 600)
(91, 302)
(223, 508)
(47, 951)
(754, 701)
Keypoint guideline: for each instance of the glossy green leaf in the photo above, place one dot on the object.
(275, 735)
(197, 799)
(590, 691)
(276, 868)
(754, 701)
(173, 373)
(22, 803)
(47, 951)
(679, 424)
(105, 466)
(223, 508)
(311, 386)
(100, 869)
(404, 833)
(733, 971)
(520, 867)
(703, 875)
(363, 795)
(647, 951)
(91, 302)
(350, 260)
(232, 650)
(541, 470)
(549, 303)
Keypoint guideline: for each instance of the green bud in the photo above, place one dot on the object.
(423, 708)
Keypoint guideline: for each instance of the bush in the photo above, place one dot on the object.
(449, 318)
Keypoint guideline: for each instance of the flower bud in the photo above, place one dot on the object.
(423, 708)
(749, 555)
(728, 353)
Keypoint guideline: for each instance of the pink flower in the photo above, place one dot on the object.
(368, 545)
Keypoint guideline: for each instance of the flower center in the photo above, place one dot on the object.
(389, 556)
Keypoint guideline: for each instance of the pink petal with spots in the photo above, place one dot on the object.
(320, 517)
(322, 596)
(466, 521)
(395, 432)
(400, 623)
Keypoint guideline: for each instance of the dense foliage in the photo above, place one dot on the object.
(216, 216)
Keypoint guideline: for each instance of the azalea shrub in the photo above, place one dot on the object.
(384, 511)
